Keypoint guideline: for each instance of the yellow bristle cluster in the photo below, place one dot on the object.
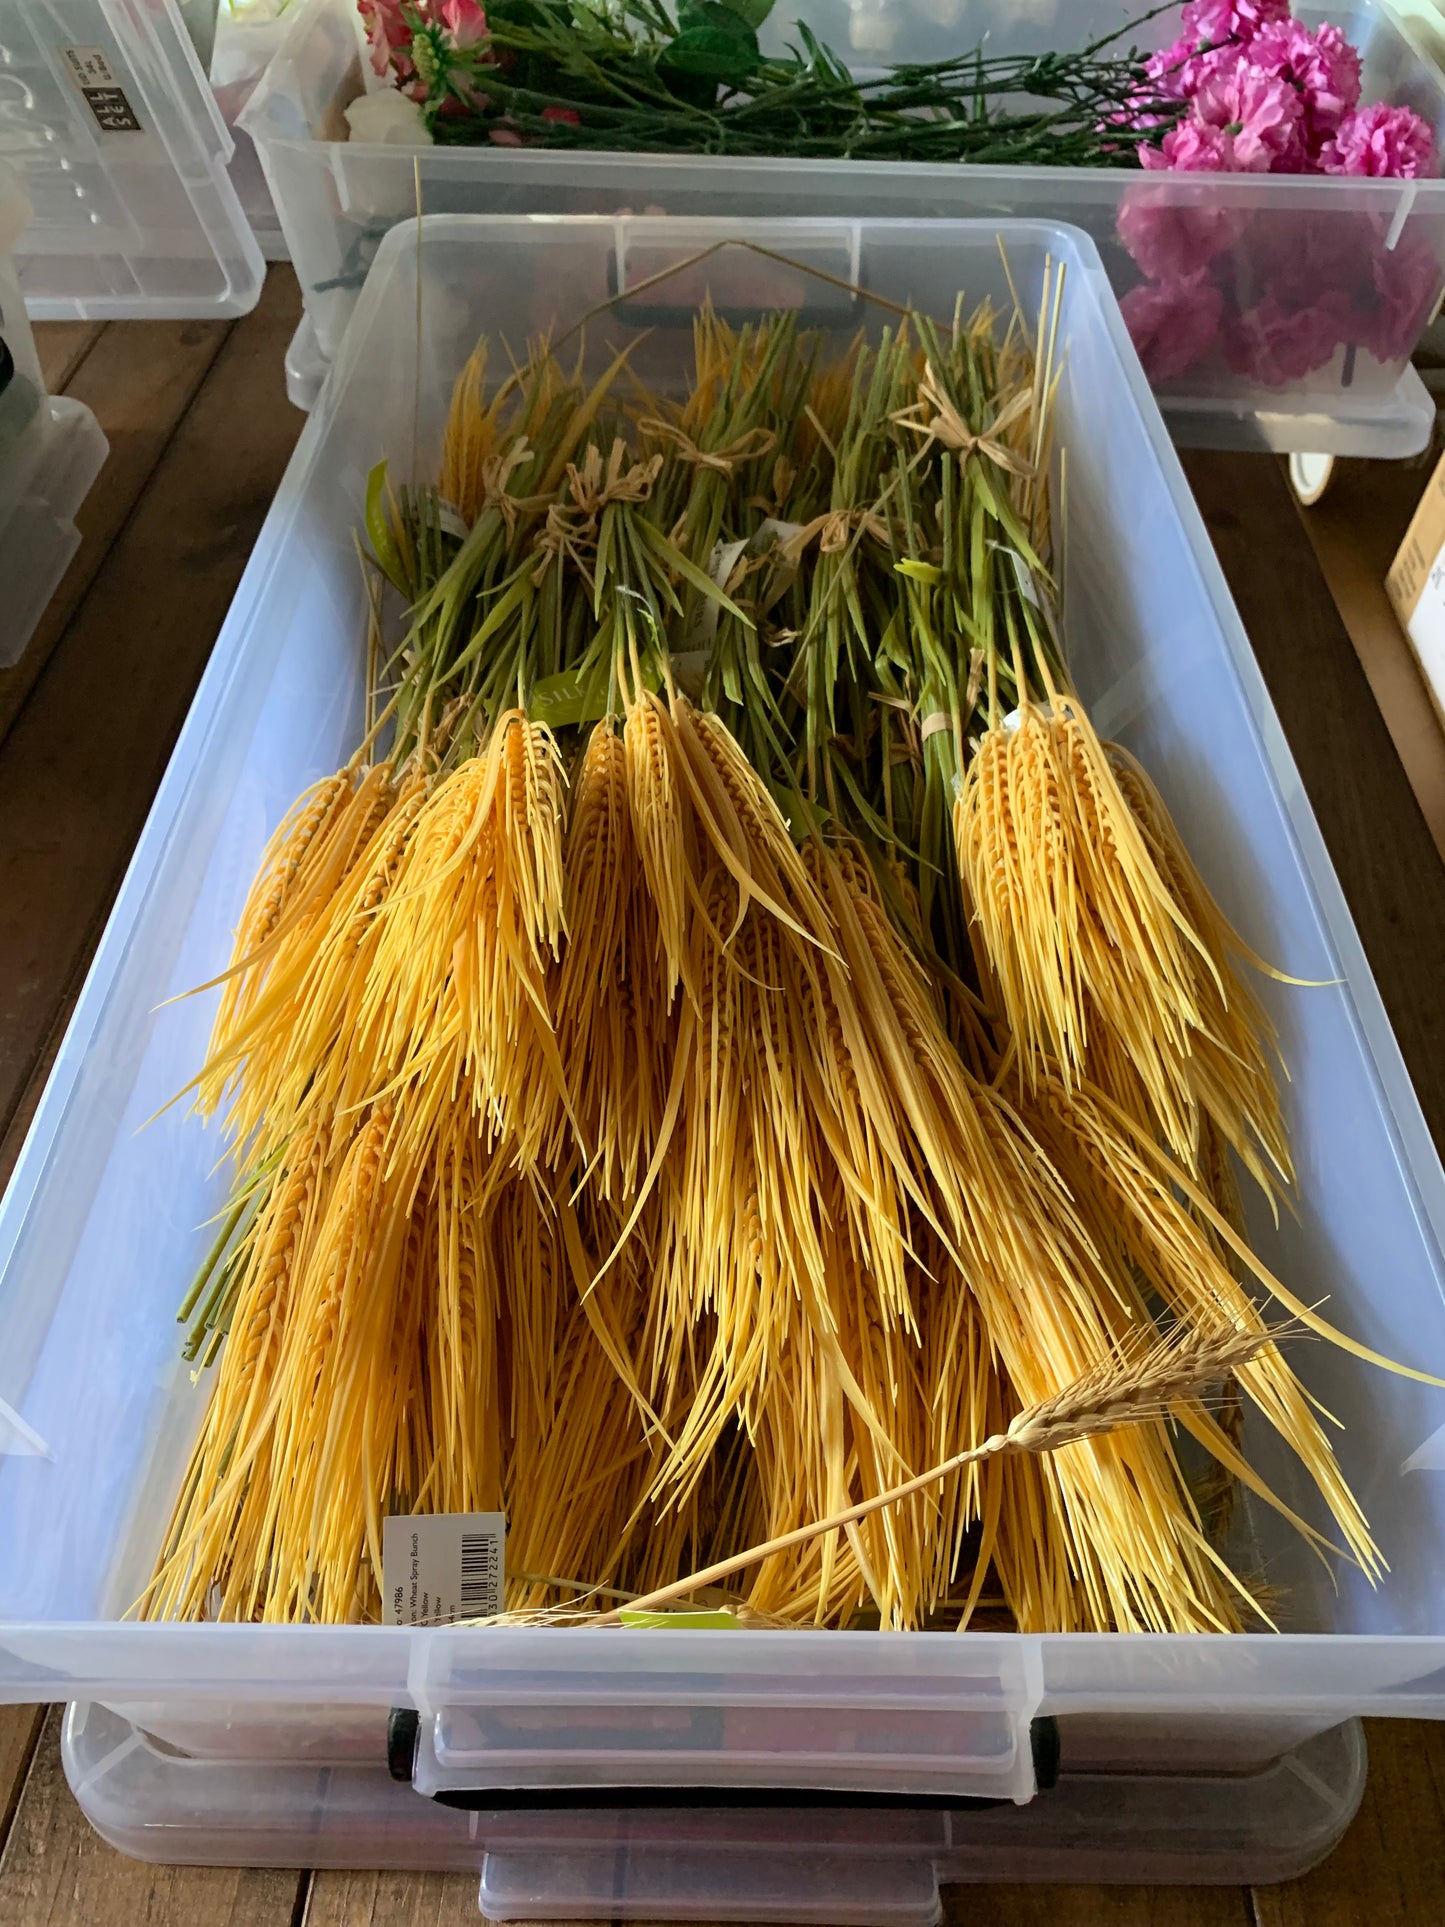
(748, 1047)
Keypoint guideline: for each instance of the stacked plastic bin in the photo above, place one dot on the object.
(110, 122)
(336, 198)
(51, 450)
(1182, 1758)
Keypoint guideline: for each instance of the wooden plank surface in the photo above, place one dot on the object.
(62, 346)
(19, 1731)
(1383, 852)
(1097, 1907)
(1389, 1870)
(395, 1899)
(173, 522)
(1355, 531)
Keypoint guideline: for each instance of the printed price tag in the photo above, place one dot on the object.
(104, 96)
(441, 1566)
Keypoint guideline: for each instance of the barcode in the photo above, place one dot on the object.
(480, 1574)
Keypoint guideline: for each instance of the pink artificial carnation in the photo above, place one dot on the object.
(1240, 122)
(1274, 342)
(1392, 306)
(1323, 68)
(567, 116)
(1174, 231)
(1384, 141)
(1212, 22)
(465, 21)
(1180, 71)
(1172, 324)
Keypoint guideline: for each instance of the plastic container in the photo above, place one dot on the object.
(1372, 242)
(50, 453)
(105, 1218)
(108, 117)
(795, 1864)
(243, 45)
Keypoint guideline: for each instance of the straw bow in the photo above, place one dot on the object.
(750, 447)
(497, 471)
(834, 530)
(572, 525)
(947, 426)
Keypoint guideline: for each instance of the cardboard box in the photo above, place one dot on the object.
(1416, 586)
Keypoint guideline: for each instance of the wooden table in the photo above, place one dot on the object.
(200, 432)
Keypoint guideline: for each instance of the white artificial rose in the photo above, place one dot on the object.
(388, 119)
(871, 30)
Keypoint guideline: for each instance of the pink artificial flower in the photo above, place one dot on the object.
(388, 34)
(465, 21)
(1392, 306)
(1188, 148)
(567, 116)
(1173, 231)
(505, 137)
(1386, 141)
(1274, 342)
(1212, 22)
(1240, 122)
(1323, 67)
(1172, 324)
(1180, 71)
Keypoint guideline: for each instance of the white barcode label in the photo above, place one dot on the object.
(442, 1566)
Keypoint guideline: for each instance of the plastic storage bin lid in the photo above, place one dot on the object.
(107, 116)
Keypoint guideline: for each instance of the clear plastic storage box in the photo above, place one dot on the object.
(51, 451)
(107, 115)
(254, 1742)
(235, 44)
(1373, 245)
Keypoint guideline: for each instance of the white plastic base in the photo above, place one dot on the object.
(38, 536)
(306, 367)
(1399, 426)
(773, 1863)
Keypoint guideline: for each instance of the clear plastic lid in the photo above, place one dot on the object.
(107, 116)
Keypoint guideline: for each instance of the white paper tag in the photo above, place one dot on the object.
(109, 105)
(450, 519)
(721, 563)
(772, 530)
(89, 65)
(442, 1566)
(1013, 718)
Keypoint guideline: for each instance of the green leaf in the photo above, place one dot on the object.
(569, 699)
(378, 531)
(755, 12)
(714, 43)
(674, 558)
(751, 12)
(701, 1621)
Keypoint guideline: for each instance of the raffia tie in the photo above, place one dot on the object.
(750, 447)
(834, 530)
(946, 425)
(497, 471)
(571, 528)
